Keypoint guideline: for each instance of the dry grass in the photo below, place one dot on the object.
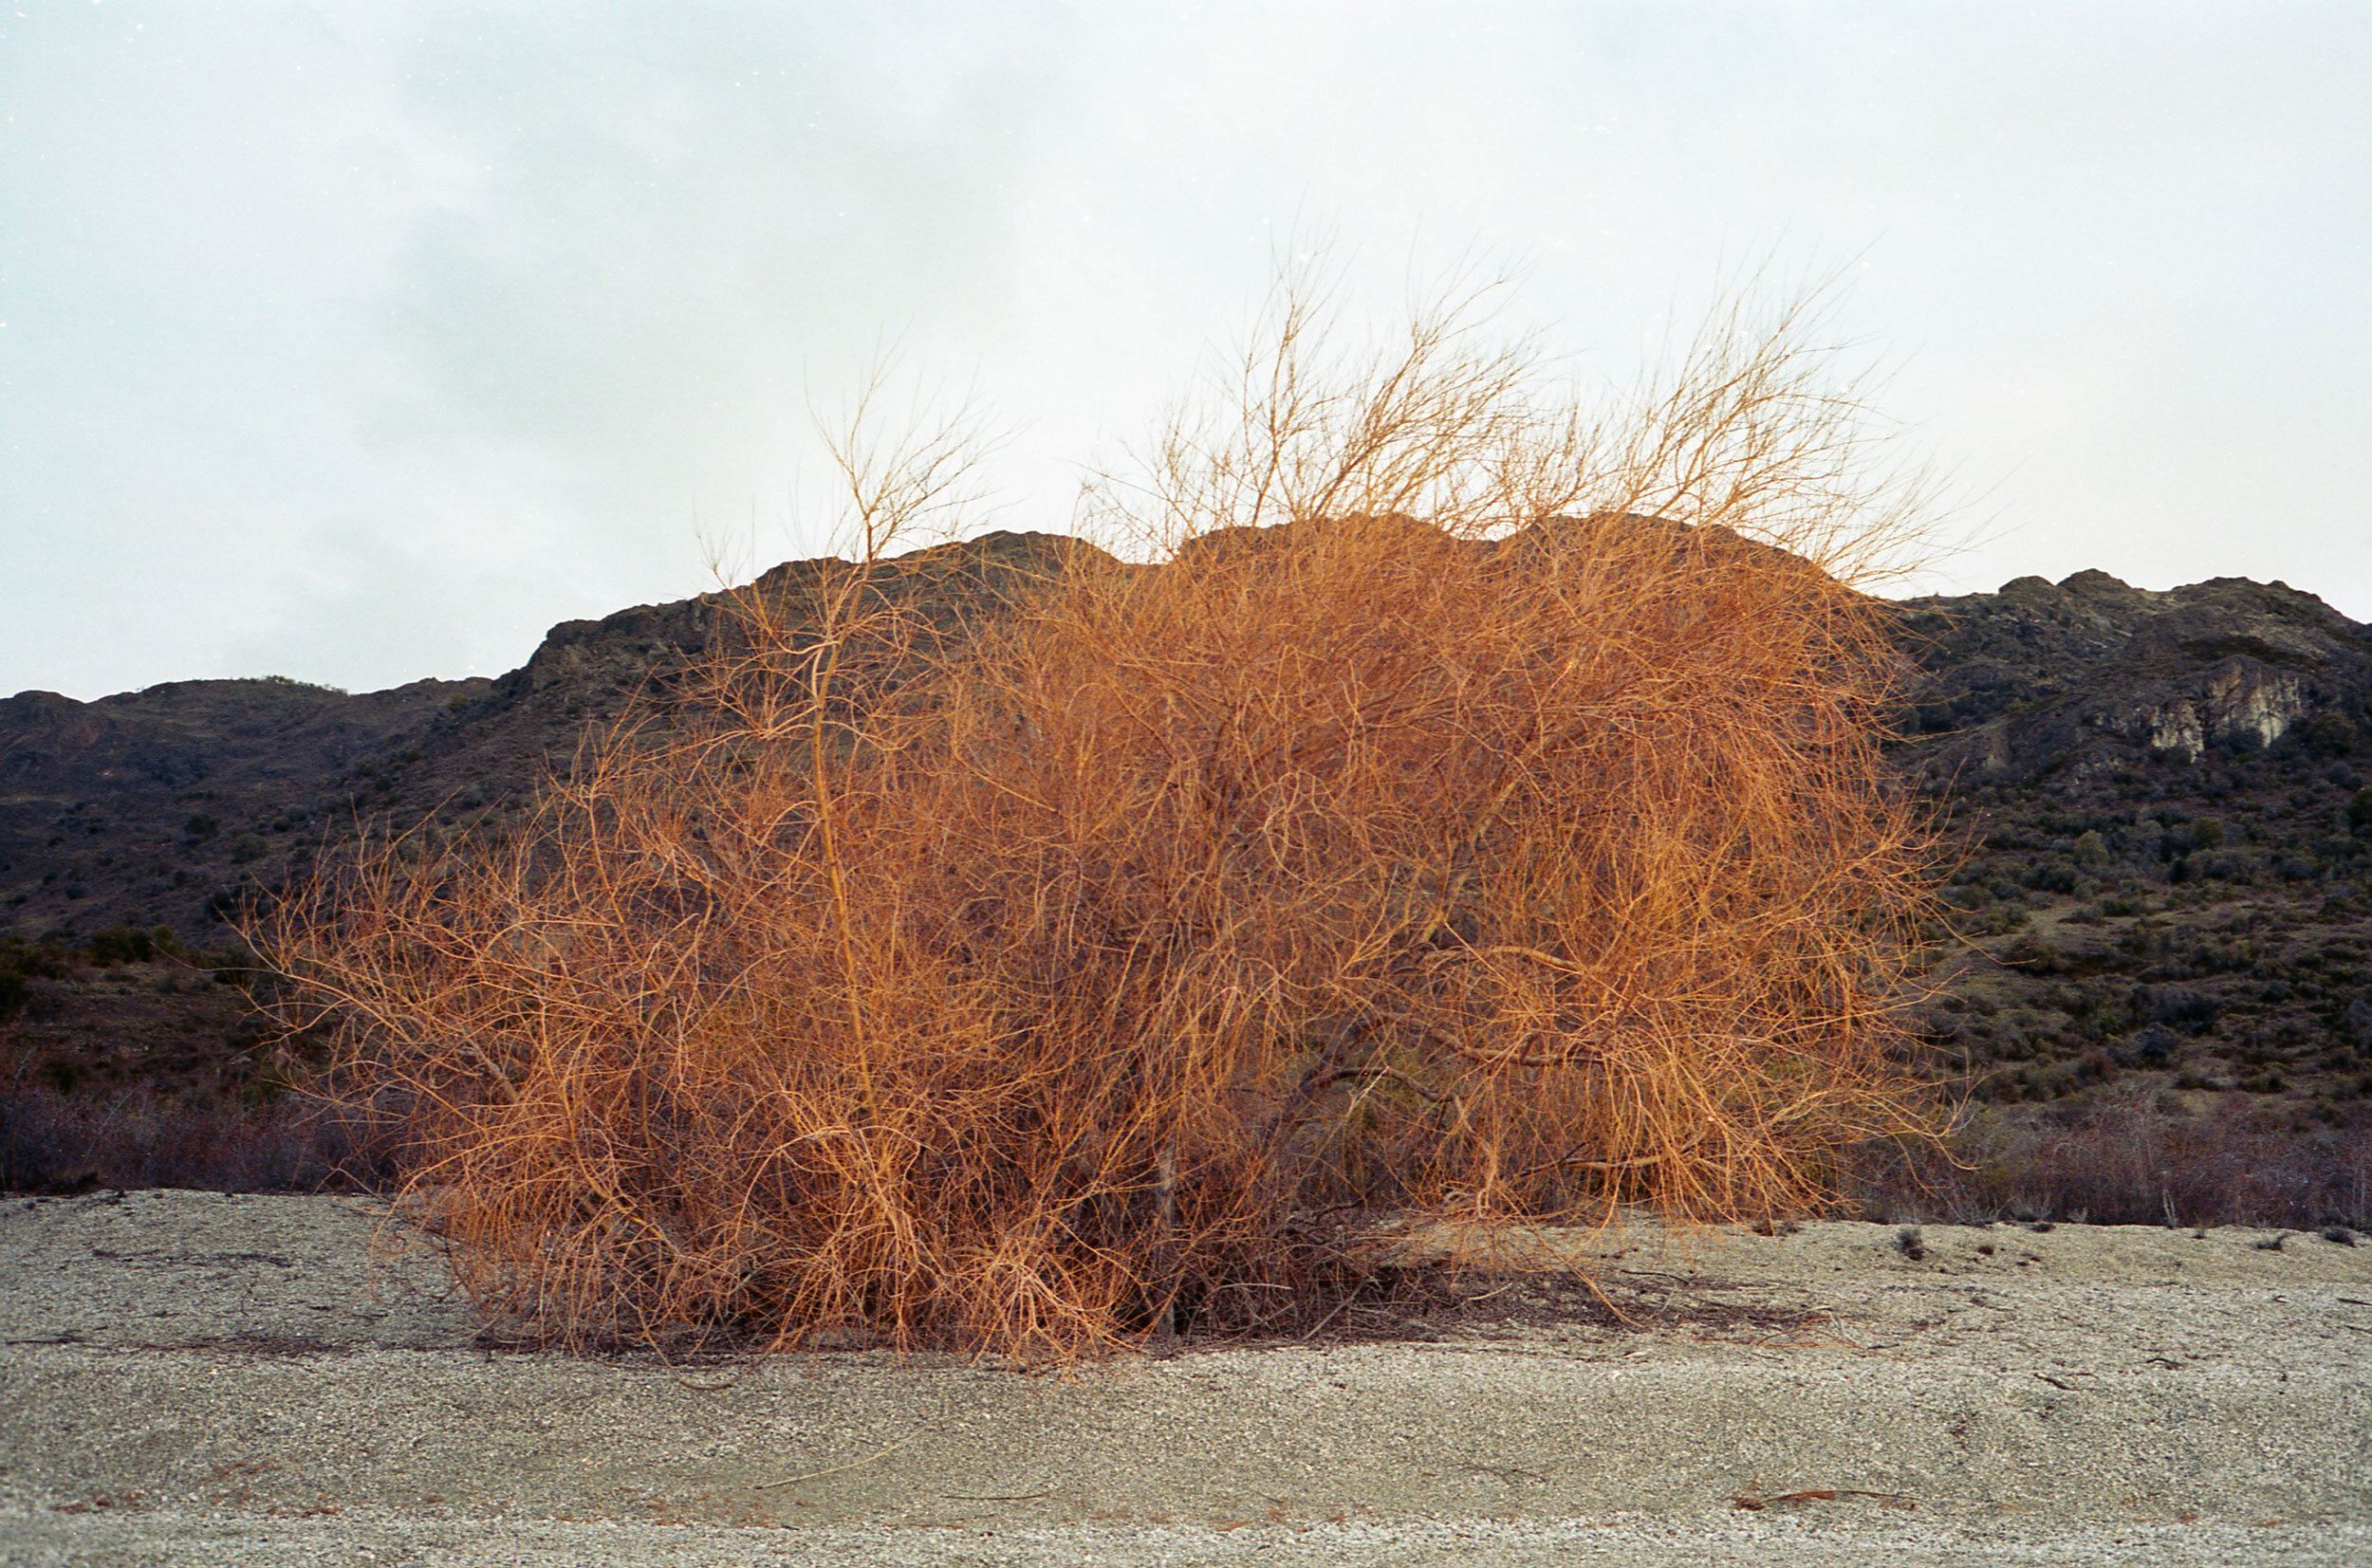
(2123, 1160)
(53, 1142)
(1040, 969)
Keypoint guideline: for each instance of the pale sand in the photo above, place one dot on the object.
(196, 1378)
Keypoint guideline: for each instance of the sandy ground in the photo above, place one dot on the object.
(194, 1378)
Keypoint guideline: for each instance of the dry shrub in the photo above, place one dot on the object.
(54, 1142)
(1015, 948)
(2124, 1160)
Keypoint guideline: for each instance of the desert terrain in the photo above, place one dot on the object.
(194, 1378)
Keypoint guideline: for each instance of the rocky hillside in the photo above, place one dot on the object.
(2158, 803)
(164, 808)
(2161, 803)
(140, 808)
(2046, 684)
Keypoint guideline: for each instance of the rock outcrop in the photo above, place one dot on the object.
(2093, 675)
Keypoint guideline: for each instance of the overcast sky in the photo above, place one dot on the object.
(360, 342)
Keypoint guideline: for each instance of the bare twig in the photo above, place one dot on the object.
(836, 1469)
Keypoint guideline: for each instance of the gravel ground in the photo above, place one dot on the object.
(196, 1378)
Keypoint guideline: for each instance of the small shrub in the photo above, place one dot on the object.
(2151, 1046)
(133, 945)
(2051, 876)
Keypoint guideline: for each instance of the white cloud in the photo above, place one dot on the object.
(365, 344)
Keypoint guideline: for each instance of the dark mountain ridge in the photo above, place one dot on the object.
(2157, 801)
(154, 807)
(162, 807)
(138, 807)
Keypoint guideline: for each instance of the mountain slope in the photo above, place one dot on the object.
(2157, 801)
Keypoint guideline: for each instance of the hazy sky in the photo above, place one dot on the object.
(363, 341)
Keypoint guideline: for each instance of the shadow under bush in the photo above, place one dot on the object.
(1094, 958)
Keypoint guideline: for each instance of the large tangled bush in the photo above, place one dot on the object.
(1455, 805)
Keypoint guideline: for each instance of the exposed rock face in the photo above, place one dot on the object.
(2092, 674)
